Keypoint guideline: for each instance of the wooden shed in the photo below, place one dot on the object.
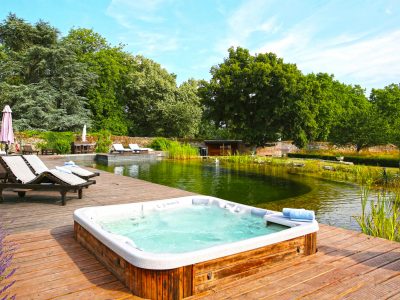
(224, 147)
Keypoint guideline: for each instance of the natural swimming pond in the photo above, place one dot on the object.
(335, 203)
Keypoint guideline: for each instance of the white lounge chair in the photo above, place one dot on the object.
(120, 149)
(136, 148)
(39, 167)
(21, 178)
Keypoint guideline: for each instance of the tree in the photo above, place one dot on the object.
(180, 116)
(387, 104)
(16, 35)
(106, 97)
(147, 85)
(363, 127)
(41, 79)
(252, 96)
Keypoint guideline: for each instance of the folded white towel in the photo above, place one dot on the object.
(302, 215)
(64, 170)
(69, 163)
(286, 211)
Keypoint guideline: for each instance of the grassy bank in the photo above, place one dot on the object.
(388, 160)
(377, 176)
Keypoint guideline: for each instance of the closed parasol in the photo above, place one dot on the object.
(7, 133)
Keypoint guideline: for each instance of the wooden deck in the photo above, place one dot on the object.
(51, 264)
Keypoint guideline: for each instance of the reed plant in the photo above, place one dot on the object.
(380, 218)
(160, 143)
(180, 151)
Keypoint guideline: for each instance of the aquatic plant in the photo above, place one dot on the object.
(381, 218)
(177, 150)
(160, 143)
(7, 250)
(241, 159)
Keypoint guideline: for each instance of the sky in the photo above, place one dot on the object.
(356, 40)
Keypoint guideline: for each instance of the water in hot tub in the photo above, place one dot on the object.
(188, 229)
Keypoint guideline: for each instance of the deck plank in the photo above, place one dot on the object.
(52, 265)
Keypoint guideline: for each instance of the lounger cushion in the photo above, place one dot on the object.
(36, 163)
(119, 147)
(25, 175)
(136, 147)
(70, 179)
(79, 171)
(19, 168)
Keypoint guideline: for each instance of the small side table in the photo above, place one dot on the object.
(48, 152)
(78, 148)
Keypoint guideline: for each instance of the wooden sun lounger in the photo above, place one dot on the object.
(51, 180)
(38, 166)
(136, 148)
(120, 149)
(22, 188)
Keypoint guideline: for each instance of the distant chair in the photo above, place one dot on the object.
(120, 149)
(27, 149)
(136, 148)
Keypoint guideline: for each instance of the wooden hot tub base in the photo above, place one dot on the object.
(189, 280)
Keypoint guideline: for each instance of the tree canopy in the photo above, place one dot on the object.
(41, 79)
(59, 84)
(260, 98)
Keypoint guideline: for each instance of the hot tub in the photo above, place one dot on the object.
(175, 248)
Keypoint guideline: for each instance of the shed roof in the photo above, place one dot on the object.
(223, 141)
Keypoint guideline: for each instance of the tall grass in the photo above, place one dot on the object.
(177, 150)
(380, 219)
(160, 143)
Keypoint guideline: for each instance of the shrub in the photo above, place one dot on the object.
(59, 141)
(103, 141)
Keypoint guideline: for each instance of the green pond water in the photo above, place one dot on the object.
(334, 203)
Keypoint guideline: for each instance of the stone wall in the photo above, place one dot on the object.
(126, 140)
(278, 149)
(275, 149)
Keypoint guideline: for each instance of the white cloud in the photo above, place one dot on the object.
(373, 60)
(146, 40)
(370, 61)
(126, 12)
(249, 18)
